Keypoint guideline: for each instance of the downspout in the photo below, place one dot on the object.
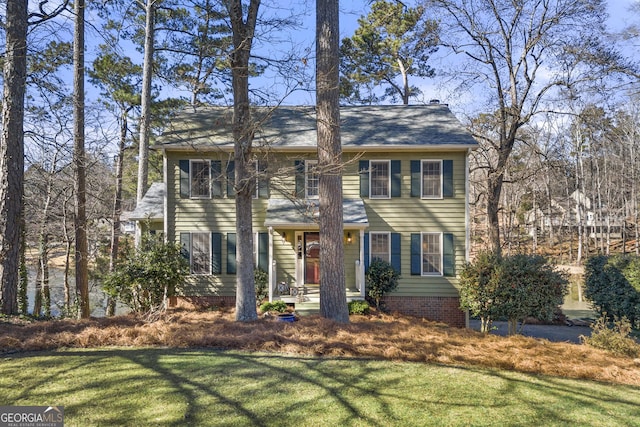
(467, 228)
(271, 265)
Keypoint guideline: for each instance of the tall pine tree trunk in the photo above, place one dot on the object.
(79, 161)
(333, 298)
(145, 107)
(117, 207)
(243, 32)
(12, 152)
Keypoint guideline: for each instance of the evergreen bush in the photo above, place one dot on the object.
(614, 338)
(148, 275)
(358, 307)
(380, 278)
(612, 284)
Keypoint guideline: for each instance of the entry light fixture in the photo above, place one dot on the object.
(349, 237)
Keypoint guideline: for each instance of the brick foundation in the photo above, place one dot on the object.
(439, 309)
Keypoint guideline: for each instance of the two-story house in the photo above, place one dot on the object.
(405, 201)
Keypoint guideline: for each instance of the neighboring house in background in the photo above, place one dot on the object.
(405, 186)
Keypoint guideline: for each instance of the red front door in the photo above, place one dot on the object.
(312, 258)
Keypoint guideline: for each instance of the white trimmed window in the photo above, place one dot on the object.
(431, 174)
(380, 244)
(380, 179)
(312, 179)
(431, 254)
(200, 253)
(200, 179)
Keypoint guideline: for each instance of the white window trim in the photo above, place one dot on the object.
(307, 165)
(256, 195)
(371, 168)
(191, 162)
(422, 162)
(388, 234)
(440, 273)
(191, 253)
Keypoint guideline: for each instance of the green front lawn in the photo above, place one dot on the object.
(170, 387)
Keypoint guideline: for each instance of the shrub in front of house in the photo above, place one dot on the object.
(261, 279)
(381, 278)
(612, 284)
(515, 287)
(614, 337)
(277, 306)
(358, 307)
(146, 276)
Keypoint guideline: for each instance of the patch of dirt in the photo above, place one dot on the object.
(391, 337)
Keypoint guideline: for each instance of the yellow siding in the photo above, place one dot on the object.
(403, 215)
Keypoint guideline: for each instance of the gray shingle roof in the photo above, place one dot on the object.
(287, 213)
(152, 204)
(286, 127)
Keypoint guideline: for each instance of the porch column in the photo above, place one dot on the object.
(361, 275)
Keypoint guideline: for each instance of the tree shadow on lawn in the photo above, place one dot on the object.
(265, 389)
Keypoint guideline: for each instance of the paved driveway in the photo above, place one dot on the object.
(558, 333)
(574, 310)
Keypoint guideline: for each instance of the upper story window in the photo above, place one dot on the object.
(312, 179)
(380, 177)
(380, 246)
(200, 178)
(431, 179)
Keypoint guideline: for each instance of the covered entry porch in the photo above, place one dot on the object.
(294, 250)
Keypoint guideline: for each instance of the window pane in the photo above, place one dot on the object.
(312, 178)
(200, 172)
(200, 253)
(431, 179)
(380, 246)
(379, 179)
(431, 258)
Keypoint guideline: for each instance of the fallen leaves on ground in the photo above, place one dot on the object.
(391, 337)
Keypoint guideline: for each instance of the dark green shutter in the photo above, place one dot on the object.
(396, 179)
(231, 253)
(415, 178)
(185, 243)
(416, 254)
(216, 253)
(184, 179)
(447, 178)
(263, 251)
(448, 255)
(216, 178)
(366, 251)
(231, 179)
(263, 180)
(395, 251)
(300, 181)
(364, 178)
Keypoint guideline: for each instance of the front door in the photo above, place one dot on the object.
(312, 258)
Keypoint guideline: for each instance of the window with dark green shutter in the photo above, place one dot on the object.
(432, 179)
(300, 179)
(216, 253)
(231, 179)
(432, 254)
(363, 167)
(216, 178)
(184, 179)
(231, 253)
(263, 180)
(262, 261)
